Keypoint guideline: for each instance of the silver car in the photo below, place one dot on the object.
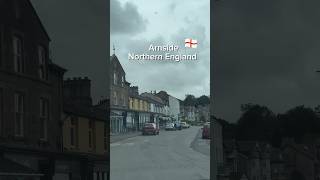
(170, 127)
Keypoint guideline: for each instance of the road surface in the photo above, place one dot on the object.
(172, 155)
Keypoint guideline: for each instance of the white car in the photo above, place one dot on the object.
(185, 125)
(170, 126)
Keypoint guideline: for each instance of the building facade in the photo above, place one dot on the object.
(174, 108)
(139, 109)
(30, 95)
(157, 107)
(119, 96)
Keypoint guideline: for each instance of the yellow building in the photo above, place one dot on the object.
(137, 103)
(85, 133)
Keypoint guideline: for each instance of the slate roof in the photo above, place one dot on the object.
(89, 112)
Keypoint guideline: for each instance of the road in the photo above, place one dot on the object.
(172, 155)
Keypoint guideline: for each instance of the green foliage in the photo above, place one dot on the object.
(261, 124)
(255, 123)
(191, 100)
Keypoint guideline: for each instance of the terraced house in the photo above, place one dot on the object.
(30, 96)
(119, 89)
(84, 131)
(40, 137)
(139, 109)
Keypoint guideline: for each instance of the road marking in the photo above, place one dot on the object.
(115, 144)
(129, 144)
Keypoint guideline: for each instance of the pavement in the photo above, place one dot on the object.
(171, 155)
(201, 145)
(120, 137)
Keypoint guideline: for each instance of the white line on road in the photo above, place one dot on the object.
(115, 144)
(129, 144)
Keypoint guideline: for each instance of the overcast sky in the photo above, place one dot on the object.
(135, 24)
(78, 32)
(266, 52)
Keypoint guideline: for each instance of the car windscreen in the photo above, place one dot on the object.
(148, 125)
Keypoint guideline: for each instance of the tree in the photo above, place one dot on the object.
(256, 123)
(299, 121)
(203, 100)
(190, 100)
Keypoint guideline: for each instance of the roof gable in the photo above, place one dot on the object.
(114, 60)
(35, 14)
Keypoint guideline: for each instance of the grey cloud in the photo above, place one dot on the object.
(265, 52)
(178, 78)
(78, 33)
(126, 19)
(172, 7)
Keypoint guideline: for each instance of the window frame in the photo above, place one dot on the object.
(115, 78)
(91, 134)
(44, 117)
(42, 62)
(73, 131)
(105, 137)
(17, 96)
(122, 81)
(1, 110)
(1, 46)
(18, 57)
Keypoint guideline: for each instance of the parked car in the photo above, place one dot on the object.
(184, 125)
(170, 127)
(150, 128)
(206, 131)
(178, 126)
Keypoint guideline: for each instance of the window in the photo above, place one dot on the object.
(115, 99)
(43, 74)
(1, 46)
(114, 78)
(73, 130)
(123, 100)
(90, 134)
(1, 109)
(18, 55)
(105, 136)
(44, 117)
(122, 81)
(19, 113)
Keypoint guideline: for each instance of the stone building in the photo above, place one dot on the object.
(246, 159)
(30, 95)
(84, 132)
(157, 107)
(203, 113)
(139, 109)
(166, 110)
(119, 95)
(295, 161)
(174, 108)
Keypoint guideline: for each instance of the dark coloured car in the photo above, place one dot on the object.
(206, 131)
(178, 126)
(150, 128)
